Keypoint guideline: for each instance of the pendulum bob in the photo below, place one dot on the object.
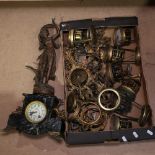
(145, 117)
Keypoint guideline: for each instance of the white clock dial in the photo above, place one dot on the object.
(35, 112)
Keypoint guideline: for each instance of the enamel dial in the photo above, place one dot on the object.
(35, 112)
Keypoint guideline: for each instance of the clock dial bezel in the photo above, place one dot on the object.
(27, 112)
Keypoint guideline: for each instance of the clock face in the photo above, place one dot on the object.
(35, 112)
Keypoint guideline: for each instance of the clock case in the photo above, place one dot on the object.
(50, 123)
(123, 135)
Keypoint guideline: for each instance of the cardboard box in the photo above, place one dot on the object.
(110, 27)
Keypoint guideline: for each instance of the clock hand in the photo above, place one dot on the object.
(33, 112)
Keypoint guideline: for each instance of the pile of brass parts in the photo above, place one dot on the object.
(40, 112)
(103, 78)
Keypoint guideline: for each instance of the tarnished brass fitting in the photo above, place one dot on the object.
(80, 36)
